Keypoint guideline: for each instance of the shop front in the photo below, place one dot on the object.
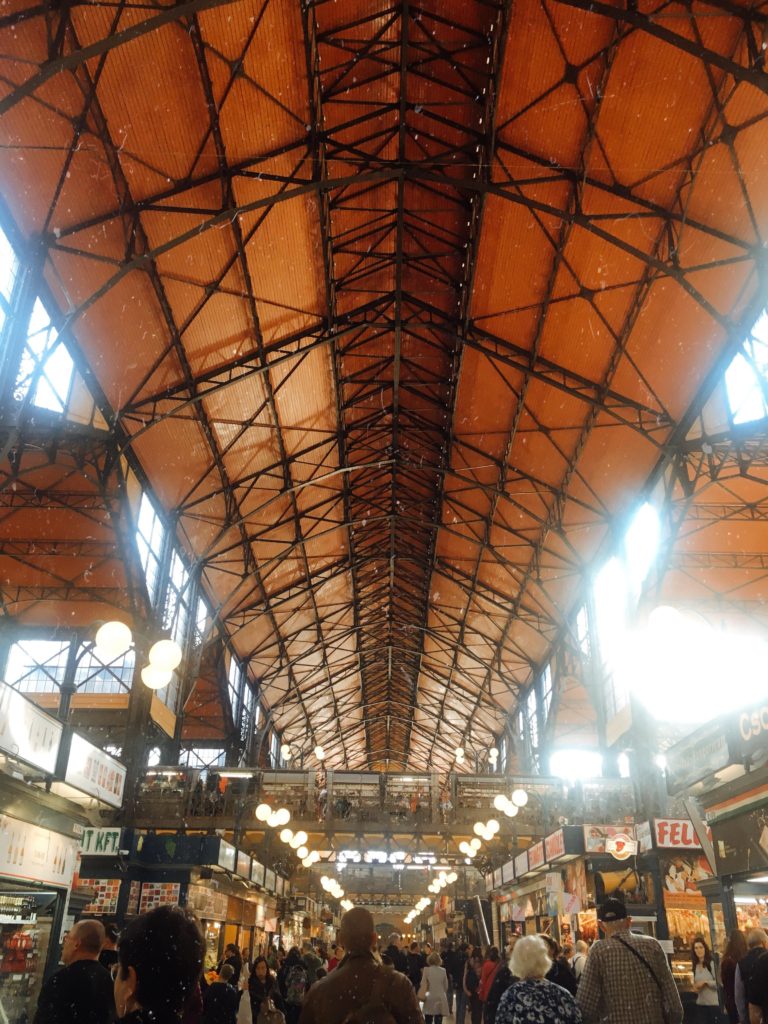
(38, 856)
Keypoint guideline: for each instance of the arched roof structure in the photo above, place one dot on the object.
(398, 309)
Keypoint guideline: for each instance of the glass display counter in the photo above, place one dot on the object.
(26, 923)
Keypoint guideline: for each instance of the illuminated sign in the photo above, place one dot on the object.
(26, 732)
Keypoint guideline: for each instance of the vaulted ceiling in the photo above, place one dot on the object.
(398, 306)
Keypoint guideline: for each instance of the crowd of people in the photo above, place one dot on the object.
(156, 968)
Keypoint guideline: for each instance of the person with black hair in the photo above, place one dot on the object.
(234, 959)
(108, 954)
(263, 986)
(81, 992)
(159, 961)
(704, 983)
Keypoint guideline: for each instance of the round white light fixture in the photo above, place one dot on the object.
(274, 820)
(286, 835)
(302, 852)
(511, 809)
(475, 844)
(302, 837)
(493, 753)
(479, 828)
(500, 802)
(155, 678)
(263, 812)
(165, 654)
(453, 877)
(459, 752)
(492, 826)
(519, 797)
(283, 816)
(319, 753)
(112, 640)
(285, 752)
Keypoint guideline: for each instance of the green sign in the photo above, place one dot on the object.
(101, 842)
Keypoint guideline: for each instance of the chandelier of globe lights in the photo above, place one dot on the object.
(286, 752)
(460, 755)
(114, 639)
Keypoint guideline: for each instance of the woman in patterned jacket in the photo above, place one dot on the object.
(533, 999)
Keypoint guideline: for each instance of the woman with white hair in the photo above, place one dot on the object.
(533, 999)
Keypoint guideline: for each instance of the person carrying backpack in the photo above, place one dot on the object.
(294, 982)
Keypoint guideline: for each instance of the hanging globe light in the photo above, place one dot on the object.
(274, 820)
(519, 797)
(500, 801)
(479, 828)
(302, 852)
(112, 640)
(263, 812)
(285, 752)
(511, 809)
(286, 835)
(165, 654)
(155, 678)
(492, 826)
(283, 816)
(319, 753)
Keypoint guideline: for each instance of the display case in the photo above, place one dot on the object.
(27, 918)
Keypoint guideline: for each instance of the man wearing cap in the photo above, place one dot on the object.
(626, 976)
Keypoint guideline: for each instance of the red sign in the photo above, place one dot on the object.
(675, 834)
(536, 856)
(554, 846)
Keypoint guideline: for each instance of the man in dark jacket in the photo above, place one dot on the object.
(360, 980)
(221, 999)
(81, 992)
(396, 955)
(415, 963)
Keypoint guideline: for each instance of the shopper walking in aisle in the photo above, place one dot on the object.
(108, 954)
(294, 984)
(456, 979)
(490, 967)
(559, 972)
(434, 990)
(757, 944)
(501, 982)
(311, 960)
(360, 981)
(415, 964)
(263, 987)
(704, 983)
(221, 999)
(159, 961)
(735, 950)
(581, 949)
(532, 999)
(234, 959)
(627, 977)
(81, 992)
(472, 972)
(395, 953)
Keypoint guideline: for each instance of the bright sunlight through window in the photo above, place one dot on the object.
(576, 764)
(641, 544)
(746, 379)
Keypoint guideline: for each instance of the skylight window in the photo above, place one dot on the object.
(150, 535)
(37, 666)
(9, 268)
(746, 379)
(641, 544)
(45, 370)
(576, 764)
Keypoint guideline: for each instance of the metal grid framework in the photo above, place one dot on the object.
(399, 306)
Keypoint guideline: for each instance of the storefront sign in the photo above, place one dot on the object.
(35, 854)
(752, 729)
(571, 904)
(227, 854)
(554, 846)
(675, 833)
(521, 864)
(508, 872)
(741, 843)
(101, 842)
(497, 878)
(26, 732)
(703, 753)
(269, 880)
(620, 846)
(681, 874)
(596, 836)
(208, 904)
(94, 772)
(536, 856)
(553, 881)
(257, 872)
(644, 836)
(243, 867)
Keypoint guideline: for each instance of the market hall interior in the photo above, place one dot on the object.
(383, 463)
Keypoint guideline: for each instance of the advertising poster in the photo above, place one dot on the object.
(682, 872)
(596, 836)
(575, 881)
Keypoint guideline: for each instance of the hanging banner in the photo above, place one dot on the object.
(34, 854)
(94, 772)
